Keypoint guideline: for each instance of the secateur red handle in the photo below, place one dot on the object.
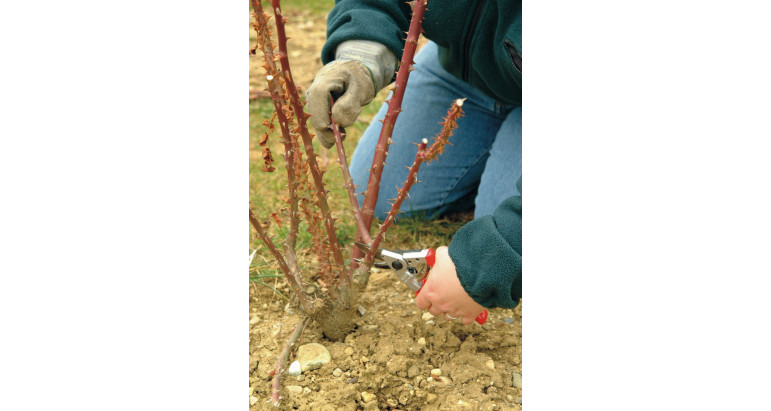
(430, 260)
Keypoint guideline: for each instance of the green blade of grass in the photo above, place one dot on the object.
(271, 287)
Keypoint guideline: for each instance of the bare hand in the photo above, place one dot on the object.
(443, 293)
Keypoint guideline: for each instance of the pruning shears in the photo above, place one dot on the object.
(410, 266)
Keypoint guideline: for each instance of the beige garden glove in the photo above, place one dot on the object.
(361, 68)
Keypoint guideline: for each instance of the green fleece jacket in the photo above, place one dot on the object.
(487, 253)
(480, 41)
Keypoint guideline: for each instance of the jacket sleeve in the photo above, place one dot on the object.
(381, 21)
(487, 253)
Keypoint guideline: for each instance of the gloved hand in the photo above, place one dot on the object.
(349, 83)
(360, 70)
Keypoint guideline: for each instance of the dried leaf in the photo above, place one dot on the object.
(268, 157)
(276, 218)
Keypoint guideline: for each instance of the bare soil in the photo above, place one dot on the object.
(383, 356)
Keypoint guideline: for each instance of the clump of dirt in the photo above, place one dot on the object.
(388, 360)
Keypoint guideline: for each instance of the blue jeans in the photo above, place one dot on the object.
(481, 167)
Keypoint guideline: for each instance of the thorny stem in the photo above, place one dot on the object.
(412, 176)
(291, 162)
(423, 155)
(268, 242)
(294, 166)
(363, 231)
(281, 362)
(289, 108)
(291, 157)
(394, 108)
(312, 214)
(292, 280)
(449, 124)
(303, 129)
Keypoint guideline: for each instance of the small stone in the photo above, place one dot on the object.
(367, 397)
(253, 400)
(518, 400)
(508, 320)
(300, 378)
(254, 320)
(403, 399)
(276, 329)
(348, 351)
(421, 341)
(312, 356)
(490, 364)
(295, 389)
(337, 372)
(436, 372)
(430, 397)
(353, 380)
(413, 371)
(294, 368)
(510, 397)
(430, 322)
(364, 359)
(463, 403)
(430, 379)
(516, 380)
(306, 390)
(445, 380)
(427, 316)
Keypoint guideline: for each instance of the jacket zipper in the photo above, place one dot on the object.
(469, 35)
(516, 59)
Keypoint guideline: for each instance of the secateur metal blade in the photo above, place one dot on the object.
(395, 261)
(379, 263)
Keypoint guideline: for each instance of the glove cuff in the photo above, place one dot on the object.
(377, 58)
